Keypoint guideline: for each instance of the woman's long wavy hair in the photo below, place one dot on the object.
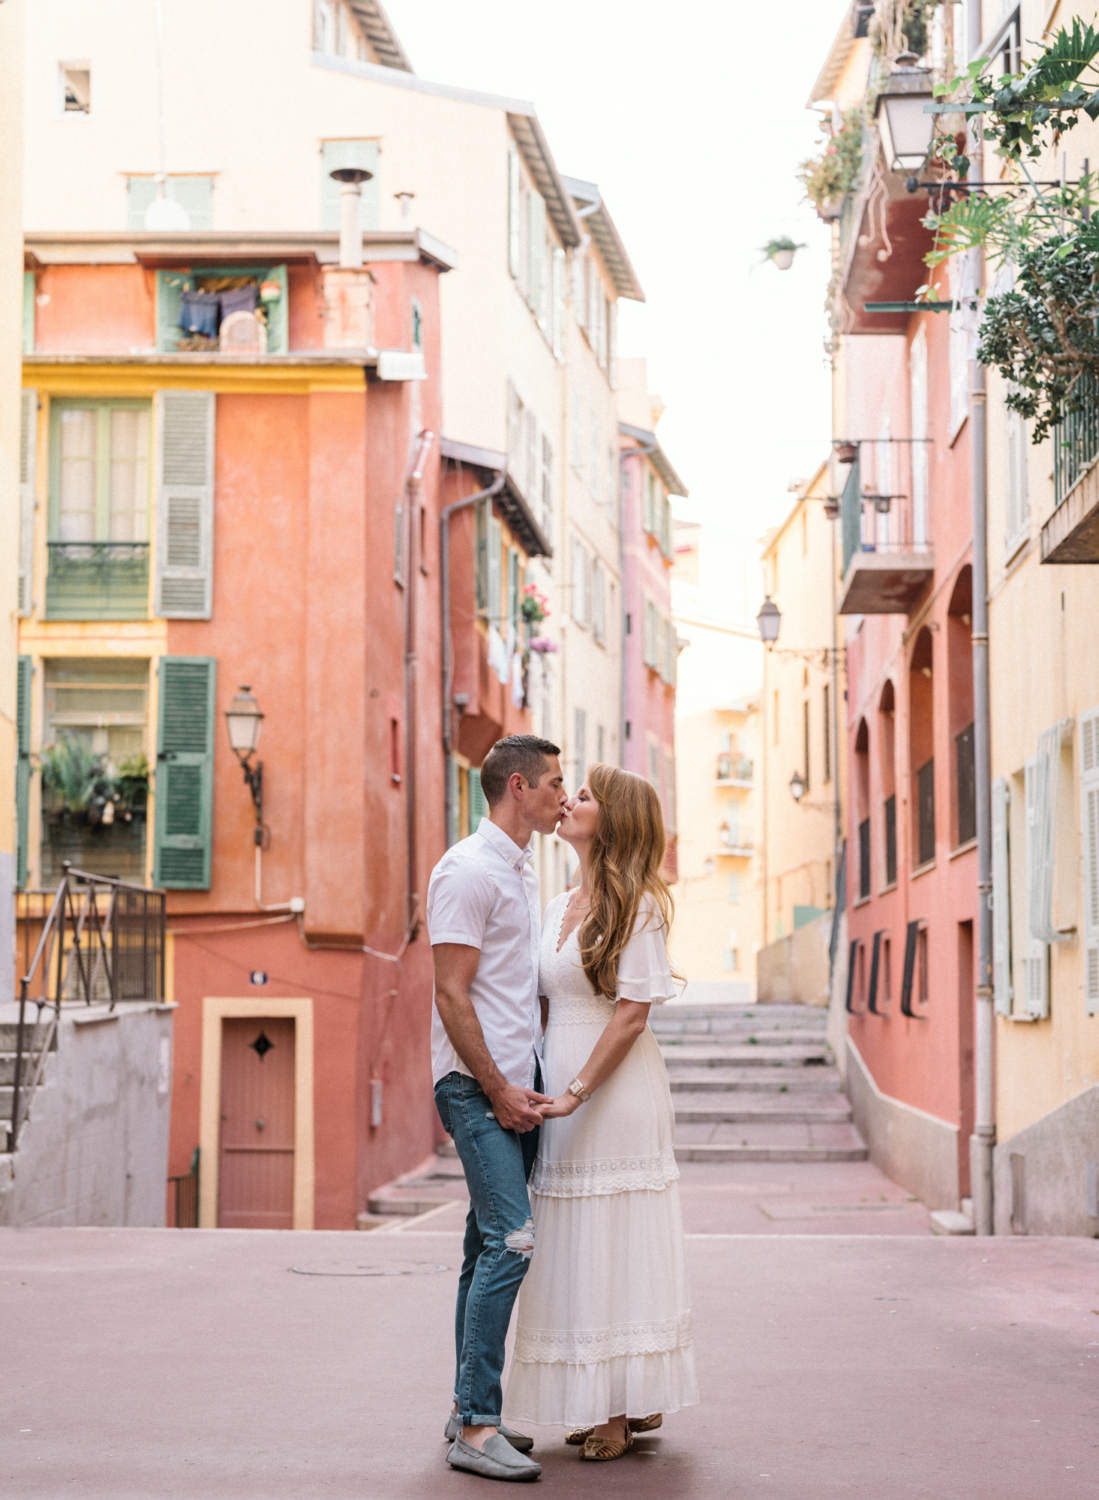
(626, 855)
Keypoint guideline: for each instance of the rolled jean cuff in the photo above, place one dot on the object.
(479, 1421)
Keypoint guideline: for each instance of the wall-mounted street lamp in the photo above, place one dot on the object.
(906, 131)
(243, 720)
(769, 620)
(797, 786)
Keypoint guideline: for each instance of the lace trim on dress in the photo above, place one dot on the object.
(551, 1346)
(594, 1178)
(579, 1010)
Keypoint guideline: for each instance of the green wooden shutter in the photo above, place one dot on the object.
(28, 447)
(170, 286)
(362, 154)
(478, 807)
(513, 589)
(278, 313)
(185, 772)
(536, 254)
(494, 569)
(513, 212)
(22, 767)
(28, 312)
(185, 505)
(1001, 898)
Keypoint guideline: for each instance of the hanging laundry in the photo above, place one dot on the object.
(497, 655)
(240, 299)
(198, 313)
(517, 690)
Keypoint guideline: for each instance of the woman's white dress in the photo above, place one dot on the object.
(604, 1321)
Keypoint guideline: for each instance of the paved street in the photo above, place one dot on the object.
(153, 1363)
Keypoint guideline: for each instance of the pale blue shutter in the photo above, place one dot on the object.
(185, 772)
(170, 286)
(185, 505)
(24, 680)
(478, 807)
(28, 449)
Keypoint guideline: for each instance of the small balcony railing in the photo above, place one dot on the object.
(1076, 439)
(734, 769)
(98, 581)
(740, 841)
(888, 556)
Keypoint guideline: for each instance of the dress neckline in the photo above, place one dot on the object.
(558, 945)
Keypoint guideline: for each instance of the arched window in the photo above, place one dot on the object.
(921, 747)
(862, 804)
(887, 770)
(959, 652)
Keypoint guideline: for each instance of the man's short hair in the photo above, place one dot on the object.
(525, 753)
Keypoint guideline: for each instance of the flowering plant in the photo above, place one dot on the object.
(535, 606)
(544, 646)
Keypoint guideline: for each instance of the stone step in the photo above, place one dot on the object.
(758, 1133)
(824, 1080)
(794, 1109)
(741, 1038)
(723, 1153)
(720, 1055)
(763, 1014)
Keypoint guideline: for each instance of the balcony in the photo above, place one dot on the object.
(888, 560)
(734, 770)
(882, 245)
(737, 843)
(98, 581)
(1071, 535)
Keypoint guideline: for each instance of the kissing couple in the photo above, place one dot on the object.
(554, 1091)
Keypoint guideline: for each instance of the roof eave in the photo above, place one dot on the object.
(838, 54)
(547, 179)
(384, 40)
(646, 440)
(511, 500)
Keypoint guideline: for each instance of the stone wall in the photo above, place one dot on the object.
(912, 1147)
(795, 968)
(94, 1149)
(1045, 1177)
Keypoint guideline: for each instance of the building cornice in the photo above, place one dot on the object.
(152, 248)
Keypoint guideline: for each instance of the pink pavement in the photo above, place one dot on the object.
(164, 1363)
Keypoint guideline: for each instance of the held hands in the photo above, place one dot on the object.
(561, 1107)
(519, 1109)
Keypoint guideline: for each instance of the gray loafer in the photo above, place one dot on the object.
(496, 1460)
(518, 1440)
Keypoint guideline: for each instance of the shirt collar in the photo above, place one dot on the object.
(504, 845)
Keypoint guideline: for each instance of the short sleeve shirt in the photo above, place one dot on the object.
(484, 894)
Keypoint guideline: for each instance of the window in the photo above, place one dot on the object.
(599, 739)
(732, 890)
(513, 212)
(598, 613)
(650, 644)
(530, 456)
(917, 370)
(99, 510)
(923, 978)
(805, 740)
(576, 438)
(580, 722)
(183, 324)
(890, 819)
(76, 88)
(612, 487)
(670, 804)
(730, 959)
(967, 785)
(581, 586)
(362, 153)
(537, 289)
(925, 813)
(547, 487)
(557, 332)
(595, 473)
(886, 971)
(94, 747)
(1016, 500)
(513, 616)
(417, 324)
(194, 194)
(864, 859)
(648, 503)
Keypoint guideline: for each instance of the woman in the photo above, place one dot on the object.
(604, 1328)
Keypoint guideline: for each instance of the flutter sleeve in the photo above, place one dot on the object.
(644, 973)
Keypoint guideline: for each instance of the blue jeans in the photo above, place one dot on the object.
(498, 1244)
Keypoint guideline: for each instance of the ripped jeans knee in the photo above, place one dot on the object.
(521, 1241)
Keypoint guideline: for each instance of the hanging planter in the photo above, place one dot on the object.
(781, 251)
(847, 453)
(832, 507)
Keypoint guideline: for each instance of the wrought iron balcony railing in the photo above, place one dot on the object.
(1076, 439)
(98, 581)
(734, 768)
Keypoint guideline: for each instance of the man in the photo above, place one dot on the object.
(484, 921)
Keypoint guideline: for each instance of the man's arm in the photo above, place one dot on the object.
(455, 967)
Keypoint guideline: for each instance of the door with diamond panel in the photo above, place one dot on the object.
(256, 1166)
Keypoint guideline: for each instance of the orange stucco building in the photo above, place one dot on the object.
(261, 504)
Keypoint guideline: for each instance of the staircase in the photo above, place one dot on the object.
(754, 1083)
(8, 1032)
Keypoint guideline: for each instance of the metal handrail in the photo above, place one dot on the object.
(92, 963)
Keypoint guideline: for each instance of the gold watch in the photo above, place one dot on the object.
(578, 1091)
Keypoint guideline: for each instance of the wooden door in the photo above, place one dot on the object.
(256, 1168)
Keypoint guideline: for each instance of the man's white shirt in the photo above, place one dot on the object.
(484, 894)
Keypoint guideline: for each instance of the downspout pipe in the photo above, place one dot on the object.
(448, 663)
(640, 450)
(414, 487)
(983, 1139)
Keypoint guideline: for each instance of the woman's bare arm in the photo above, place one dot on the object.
(626, 1025)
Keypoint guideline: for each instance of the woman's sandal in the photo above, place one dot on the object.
(604, 1449)
(579, 1435)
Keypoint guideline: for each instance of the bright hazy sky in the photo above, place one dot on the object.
(691, 118)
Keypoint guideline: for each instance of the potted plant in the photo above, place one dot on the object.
(781, 251)
(830, 176)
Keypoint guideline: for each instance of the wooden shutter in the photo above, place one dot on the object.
(28, 448)
(481, 520)
(170, 286)
(558, 337)
(22, 767)
(278, 312)
(28, 312)
(494, 570)
(1001, 898)
(911, 938)
(513, 211)
(536, 254)
(1036, 963)
(185, 772)
(185, 505)
(1089, 831)
(513, 590)
(612, 344)
(478, 807)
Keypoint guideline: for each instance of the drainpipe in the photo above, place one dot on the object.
(448, 666)
(983, 1138)
(415, 484)
(641, 450)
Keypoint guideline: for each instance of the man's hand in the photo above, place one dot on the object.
(515, 1108)
(561, 1107)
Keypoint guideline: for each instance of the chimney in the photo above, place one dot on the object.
(405, 200)
(350, 180)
